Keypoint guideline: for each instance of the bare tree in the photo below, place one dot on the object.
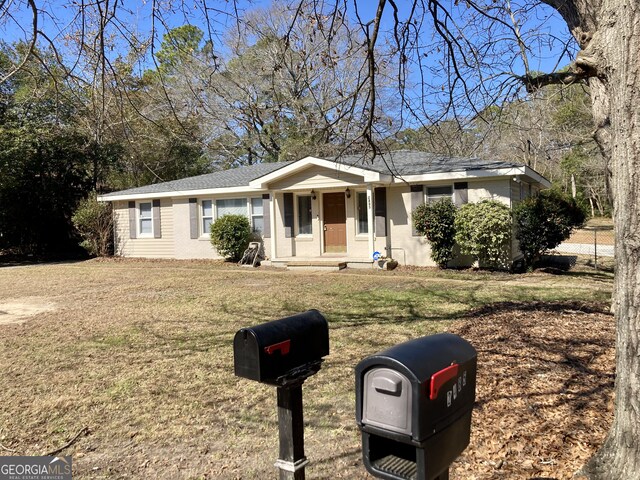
(281, 90)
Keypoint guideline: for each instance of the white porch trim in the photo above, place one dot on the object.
(370, 217)
(368, 175)
(272, 225)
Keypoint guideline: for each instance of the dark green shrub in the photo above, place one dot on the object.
(94, 222)
(230, 235)
(545, 221)
(483, 230)
(436, 222)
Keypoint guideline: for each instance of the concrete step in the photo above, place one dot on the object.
(326, 264)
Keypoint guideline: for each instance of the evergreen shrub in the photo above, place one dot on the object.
(436, 222)
(484, 230)
(545, 221)
(230, 235)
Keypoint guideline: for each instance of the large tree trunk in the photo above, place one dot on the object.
(614, 50)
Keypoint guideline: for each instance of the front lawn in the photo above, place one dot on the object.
(137, 357)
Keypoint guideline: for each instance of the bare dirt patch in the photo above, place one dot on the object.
(19, 310)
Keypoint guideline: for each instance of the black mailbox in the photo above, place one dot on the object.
(277, 351)
(413, 406)
(285, 353)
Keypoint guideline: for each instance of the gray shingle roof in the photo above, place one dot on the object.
(398, 163)
(410, 162)
(234, 177)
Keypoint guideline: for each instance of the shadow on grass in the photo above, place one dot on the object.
(346, 454)
(538, 306)
(599, 276)
(569, 353)
(27, 261)
(573, 265)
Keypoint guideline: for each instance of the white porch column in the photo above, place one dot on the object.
(272, 224)
(370, 219)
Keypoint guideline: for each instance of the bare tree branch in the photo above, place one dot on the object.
(30, 48)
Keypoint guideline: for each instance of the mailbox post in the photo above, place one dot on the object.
(292, 460)
(413, 407)
(284, 353)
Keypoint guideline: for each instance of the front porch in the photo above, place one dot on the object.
(320, 215)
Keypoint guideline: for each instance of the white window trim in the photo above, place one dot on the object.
(139, 220)
(201, 216)
(253, 215)
(233, 197)
(296, 211)
(427, 187)
(359, 235)
(214, 211)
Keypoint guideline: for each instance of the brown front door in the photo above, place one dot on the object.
(335, 222)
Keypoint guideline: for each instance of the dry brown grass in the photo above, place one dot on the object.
(140, 352)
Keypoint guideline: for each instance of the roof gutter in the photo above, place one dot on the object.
(479, 173)
(179, 193)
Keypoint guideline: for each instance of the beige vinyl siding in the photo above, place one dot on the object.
(317, 178)
(144, 247)
(415, 250)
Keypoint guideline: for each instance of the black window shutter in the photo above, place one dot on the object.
(132, 220)
(266, 216)
(417, 198)
(157, 233)
(381, 211)
(288, 215)
(193, 217)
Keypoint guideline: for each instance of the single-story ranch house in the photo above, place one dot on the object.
(313, 210)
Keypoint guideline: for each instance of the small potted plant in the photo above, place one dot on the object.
(386, 263)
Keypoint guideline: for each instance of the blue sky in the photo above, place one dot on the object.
(135, 19)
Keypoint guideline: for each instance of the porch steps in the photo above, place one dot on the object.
(320, 264)
(327, 265)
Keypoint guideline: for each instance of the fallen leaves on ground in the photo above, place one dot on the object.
(545, 388)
